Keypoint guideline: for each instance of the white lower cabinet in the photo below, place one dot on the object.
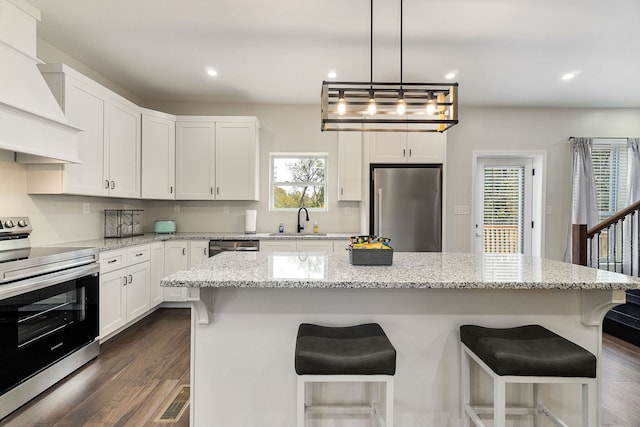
(176, 258)
(302, 245)
(124, 287)
(180, 255)
(156, 263)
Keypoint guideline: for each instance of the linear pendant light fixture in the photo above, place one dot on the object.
(388, 107)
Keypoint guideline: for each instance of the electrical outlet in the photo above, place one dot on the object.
(86, 208)
(176, 208)
(462, 210)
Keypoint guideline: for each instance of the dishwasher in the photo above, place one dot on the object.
(217, 246)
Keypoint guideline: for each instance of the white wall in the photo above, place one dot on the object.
(485, 128)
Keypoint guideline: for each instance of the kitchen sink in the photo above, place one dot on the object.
(297, 234)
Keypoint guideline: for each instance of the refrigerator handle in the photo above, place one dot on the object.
(379, 211)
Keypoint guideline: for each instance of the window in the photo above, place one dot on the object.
(298, 180)
(609, 158)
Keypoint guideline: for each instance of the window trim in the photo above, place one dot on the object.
(300, 155)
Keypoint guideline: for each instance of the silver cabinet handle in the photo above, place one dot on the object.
(113, 185)
(140, 254)
(130, 278)
(404, 152)
(111, 261)
(184, 251)
(205, 251)
(217, 190)
(341, 191)
(106, 183)
(124, 280)
(211, 190)
(171, 189)
(409, 152)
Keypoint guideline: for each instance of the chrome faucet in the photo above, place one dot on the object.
(300, 227)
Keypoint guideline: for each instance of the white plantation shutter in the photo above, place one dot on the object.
(503, 209)
(609, 158)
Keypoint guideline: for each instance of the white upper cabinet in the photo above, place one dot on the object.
(109, 144)
(158, 155)
(195, 159)
(350, 166)
(407, 147)
(237, 160)
(217, 158)
(123, 158)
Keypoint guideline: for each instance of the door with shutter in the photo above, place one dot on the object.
(503, 222)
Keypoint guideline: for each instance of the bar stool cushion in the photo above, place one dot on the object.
(352, 350)
(528, 351)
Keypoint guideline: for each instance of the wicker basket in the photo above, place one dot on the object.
(371, 256)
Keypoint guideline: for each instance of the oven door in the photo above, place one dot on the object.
(41, 326)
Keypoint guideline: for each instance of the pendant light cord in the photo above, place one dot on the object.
(400, 44)
(371, 47)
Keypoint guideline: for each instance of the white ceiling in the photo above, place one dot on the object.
(507, 52)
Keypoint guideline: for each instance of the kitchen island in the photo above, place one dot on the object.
(247, 308)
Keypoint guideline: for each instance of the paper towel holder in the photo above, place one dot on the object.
(250, 217)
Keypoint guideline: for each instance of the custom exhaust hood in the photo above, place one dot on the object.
(32, 123)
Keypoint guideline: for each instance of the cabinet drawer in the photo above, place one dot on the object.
(138, 254)
(112, 260)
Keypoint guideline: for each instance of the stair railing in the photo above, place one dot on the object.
(603, 245)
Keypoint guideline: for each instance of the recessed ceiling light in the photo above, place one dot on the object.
(568, 76)
(332, 74)
(450, 75)
(212, 72)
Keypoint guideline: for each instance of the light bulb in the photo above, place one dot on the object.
(371, 108)
(401, 109)
(342, 106)
(431, 108)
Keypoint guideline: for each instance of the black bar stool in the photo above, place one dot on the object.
(361, 353)
(527, 355)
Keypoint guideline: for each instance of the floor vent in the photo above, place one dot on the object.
(176, 407)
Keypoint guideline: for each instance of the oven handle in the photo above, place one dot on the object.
(33, 283)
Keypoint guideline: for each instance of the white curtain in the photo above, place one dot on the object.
(633, 195)
(584, 209)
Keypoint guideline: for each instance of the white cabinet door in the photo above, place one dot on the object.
(195, 160)
(158, 156)
(176, 258)
(113, 313)
(314, 246)
(388, 147)
(237, 161)
(425, 147)
(156, 273)
(123, 155)
(278, 246)
(198, 252)
(350, 166)
(137, 290)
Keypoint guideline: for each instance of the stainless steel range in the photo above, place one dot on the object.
(48, 313)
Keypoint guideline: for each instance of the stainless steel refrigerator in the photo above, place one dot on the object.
(406, 206)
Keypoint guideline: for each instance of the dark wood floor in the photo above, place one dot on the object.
(136, 375)
(140, 370)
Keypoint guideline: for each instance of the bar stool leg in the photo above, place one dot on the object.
(537, 419)
(465, 386)
(499, 402)
(300, 403)
(389, 403)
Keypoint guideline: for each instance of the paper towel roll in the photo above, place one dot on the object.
(250, 221)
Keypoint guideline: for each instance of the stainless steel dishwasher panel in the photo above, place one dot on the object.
(218, 245)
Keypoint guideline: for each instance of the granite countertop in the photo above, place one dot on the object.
(409, 270)
(118, 243)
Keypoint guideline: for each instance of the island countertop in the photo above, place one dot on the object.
(409, 270)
